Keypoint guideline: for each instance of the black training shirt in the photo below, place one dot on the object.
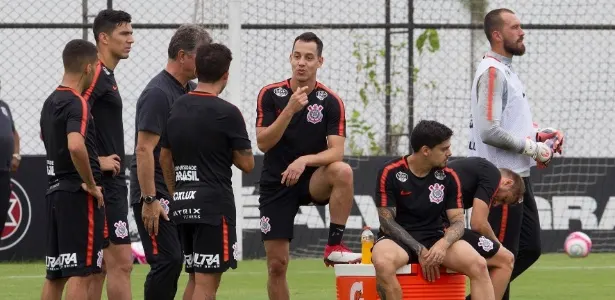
(64, 112)
(307, 131)
(419, 202)
(153, 109)
(7, 142)
(202, 133)
(106, 105)
(479, 179)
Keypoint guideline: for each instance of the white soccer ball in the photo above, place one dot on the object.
(578, 244)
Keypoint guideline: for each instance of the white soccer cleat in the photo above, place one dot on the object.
(340, 254)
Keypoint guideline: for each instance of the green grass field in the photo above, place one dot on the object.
(555, 276)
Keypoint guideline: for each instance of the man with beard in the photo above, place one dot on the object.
(149, 194)
(502, 131)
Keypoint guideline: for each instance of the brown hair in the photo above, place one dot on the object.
(518, 187)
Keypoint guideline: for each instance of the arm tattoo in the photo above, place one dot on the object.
(456, 229)
(245, 152)
(394, 230)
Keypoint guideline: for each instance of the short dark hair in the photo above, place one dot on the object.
(78, 53)
(212, 61)
(429, 133)
(518, 187)
(187, 37)
(493, 21)
(310, 37)
(107, 20)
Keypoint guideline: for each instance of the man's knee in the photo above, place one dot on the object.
(340, 173)
(504, 259)
(477, 267)
(277, 266)
(384, 264)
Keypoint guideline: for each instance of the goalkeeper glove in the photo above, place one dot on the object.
(556, 137)
(540, 152)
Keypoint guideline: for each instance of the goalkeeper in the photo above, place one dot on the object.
(502, 131)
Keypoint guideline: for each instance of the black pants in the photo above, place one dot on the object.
(164, 255)
(518, 229)
(5, 195)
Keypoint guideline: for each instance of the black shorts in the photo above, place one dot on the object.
(74, 235)
(116, 212)
(486, 247)
(209, 247)
(280, 204)
(427, 239)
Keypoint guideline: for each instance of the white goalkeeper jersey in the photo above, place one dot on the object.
(515, 118)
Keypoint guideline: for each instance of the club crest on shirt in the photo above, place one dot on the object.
(321, 95)
(265, 226)
(314, 114)
(485, 243)
(121, 231)
(401, 176)
(280, 92)
(439, 175)
(437, 193)
(165, 205)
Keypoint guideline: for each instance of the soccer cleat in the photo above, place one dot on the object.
(340, 254)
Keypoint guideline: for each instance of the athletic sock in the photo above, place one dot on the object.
(336, 232)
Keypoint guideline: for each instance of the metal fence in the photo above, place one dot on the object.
(370, 48)
(393, 62)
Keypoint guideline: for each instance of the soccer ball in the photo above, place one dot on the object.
(578, 244)
(138, 254)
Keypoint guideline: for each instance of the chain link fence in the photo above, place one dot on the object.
(393, 62)
(566, 69)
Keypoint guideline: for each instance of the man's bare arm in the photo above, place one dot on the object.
(146, 167)
(168, 169)
(479, 221)
(267, 137)
(80, 158)
(457, 225)
(491, 102)
(335, 152)
(394, 230)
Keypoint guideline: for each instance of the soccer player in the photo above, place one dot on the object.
(205, 136)
(484, 185)
(113, 35)
(301, 128)
(9, 159)
(502, 131)
(148, 191)
(75, 216)
(412, 192)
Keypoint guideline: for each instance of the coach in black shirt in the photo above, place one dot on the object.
(149, 196)
(412, 192)
(75, 216)
(9, 159)
(205, 136)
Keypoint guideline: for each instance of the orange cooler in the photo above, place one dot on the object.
(358, 282)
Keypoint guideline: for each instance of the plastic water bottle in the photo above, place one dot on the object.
(367, 242)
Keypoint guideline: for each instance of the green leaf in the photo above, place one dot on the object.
(420, 42)
(355, 114)
(382, 52)
(363, 96)
(434, 40)
(372, 75)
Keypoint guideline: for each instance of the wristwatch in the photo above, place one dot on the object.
(148, 199)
